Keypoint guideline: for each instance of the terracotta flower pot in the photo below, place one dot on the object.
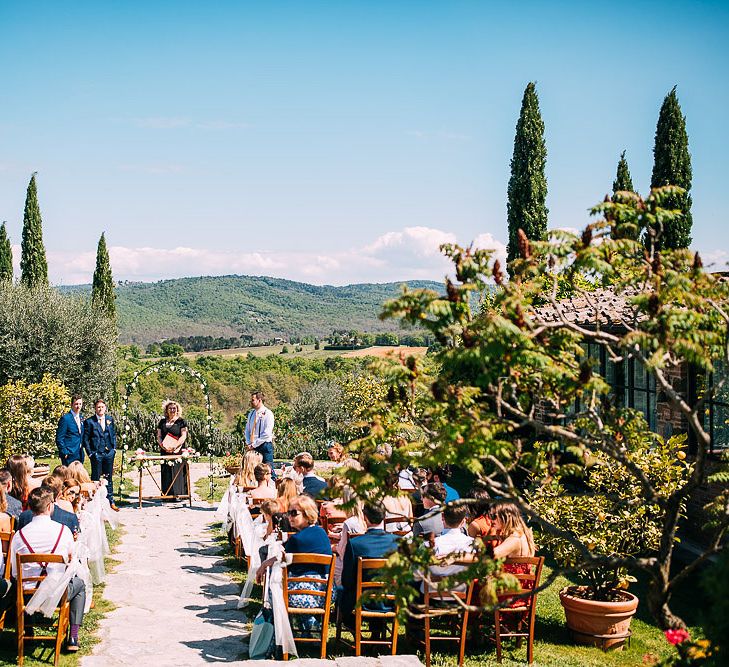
(231, 470)
(594, 621)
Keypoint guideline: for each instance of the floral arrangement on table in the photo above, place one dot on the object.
(141, 461)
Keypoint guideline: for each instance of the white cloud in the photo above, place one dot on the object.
(161, 122)
(408, 254)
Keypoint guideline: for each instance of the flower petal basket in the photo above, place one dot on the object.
(601, 623)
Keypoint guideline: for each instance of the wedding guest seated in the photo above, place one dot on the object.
(431, 522)
(313, 485)
(262, 475)
(515, 538)
(452, 541)
(275, 519)
(245, 477)
(309, 539)
(53, 485)
(287, 489)
(72, 494)
(83, 478)
(407, 480)
(353, 525)
(397, 506)
(337, 453)
(43, 535)
(331, 508)
(442, 474)
(14, 506)
(5, 516)
(481, 524)
(18, 466)
(375, 543)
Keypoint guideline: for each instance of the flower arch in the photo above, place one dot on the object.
(206, 437)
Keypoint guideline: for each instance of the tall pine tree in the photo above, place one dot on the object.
(33, 264)
(623, 182)
(527, 194)
(6, 256)
(102, 289)
(672, 166)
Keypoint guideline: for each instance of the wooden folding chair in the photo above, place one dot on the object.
(328, 522)
(399, 519)
(61, 625)
(445, 605)
(326, 595)
(367, 585)
(523, 611)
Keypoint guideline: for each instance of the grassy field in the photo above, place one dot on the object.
(308, 351)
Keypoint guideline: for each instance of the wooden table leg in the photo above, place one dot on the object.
(189, 488)
(141, 470)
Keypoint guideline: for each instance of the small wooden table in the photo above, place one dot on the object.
(165, 493)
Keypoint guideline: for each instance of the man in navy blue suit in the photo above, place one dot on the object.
(100, 445)
(375, 543)
(69, 433)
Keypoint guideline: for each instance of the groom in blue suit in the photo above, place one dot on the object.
(69, 433)
(100, 445)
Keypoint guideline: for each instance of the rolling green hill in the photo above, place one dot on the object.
(262, 307)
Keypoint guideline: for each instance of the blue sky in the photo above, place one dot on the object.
(337, 142)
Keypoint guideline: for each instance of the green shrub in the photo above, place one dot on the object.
(29, 416)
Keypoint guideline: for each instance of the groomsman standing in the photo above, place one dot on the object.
(69, 433)
(259, 429)
(100, 445)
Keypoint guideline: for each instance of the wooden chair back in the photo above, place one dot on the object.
(447, 603)
(523, 610)
(328, 522)
(400, 519)
(367, 585)
(61, 625)
(325, 595)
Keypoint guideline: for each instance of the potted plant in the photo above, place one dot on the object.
(231, 462)
(606, 518)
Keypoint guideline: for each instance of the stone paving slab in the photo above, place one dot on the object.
(175, 604)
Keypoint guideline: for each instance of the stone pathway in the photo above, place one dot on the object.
(175, 604)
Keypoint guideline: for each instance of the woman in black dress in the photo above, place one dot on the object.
(172, 425)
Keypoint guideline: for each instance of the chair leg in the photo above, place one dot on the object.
(395, 632)
(497, 627)
(464, 630)
(20, 630)
(358, 635)
(426, 630)
(286, 657)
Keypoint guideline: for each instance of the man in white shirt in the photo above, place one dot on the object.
(44, 536)
(259, 429)
(452, 541)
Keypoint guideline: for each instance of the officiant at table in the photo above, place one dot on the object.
(171, 436)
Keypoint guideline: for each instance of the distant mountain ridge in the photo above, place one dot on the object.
(258, 306)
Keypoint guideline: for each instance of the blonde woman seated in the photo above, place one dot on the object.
(245, 477)
(287, 490)
(397, 506)
(309, 539)
(515, 538)
(262, 475)
(337, 453)
(83, 478)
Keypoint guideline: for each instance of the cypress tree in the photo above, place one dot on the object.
(6, 256)
(33, 264)
(526, 208)
(623, 182)
(102, 289)
(672, 166)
